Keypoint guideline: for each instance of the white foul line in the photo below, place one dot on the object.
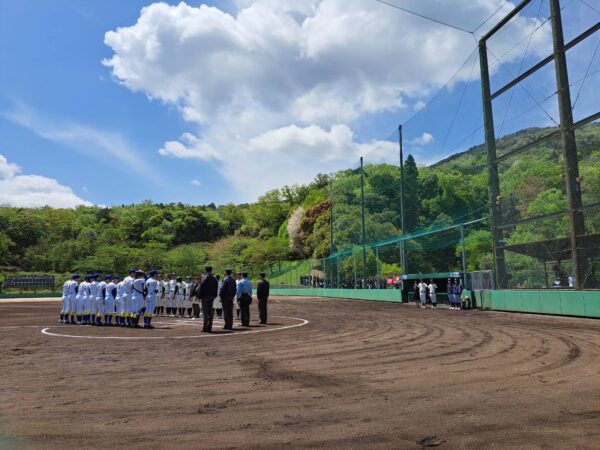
(302, 323)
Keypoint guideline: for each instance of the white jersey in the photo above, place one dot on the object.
(172, 287)
(180, 290)
(84, 289)
(120, 290)
(128, 283)
(93, 287)
(66, 289)
(152, 287)
(137, 286)
(110, 291)
(432, 288)
(101, 294)
(73, 288)
(422, 288)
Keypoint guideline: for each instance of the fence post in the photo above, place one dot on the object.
(493, 178)
(567, 133)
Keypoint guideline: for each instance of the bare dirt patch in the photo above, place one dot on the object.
(358, 375)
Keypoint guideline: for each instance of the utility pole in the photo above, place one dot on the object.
(362, 214)
(402, 254)
(464, 255)
(567, 133)
(492, 166)
(331, 243)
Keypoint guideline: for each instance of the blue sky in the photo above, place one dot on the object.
(204, 105)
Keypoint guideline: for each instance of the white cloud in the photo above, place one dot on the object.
(419, 105)
(8, 170)
(33, 191)
(90, 141)
(424, 139)
(278, 80)
(195, 182)
(189, 147)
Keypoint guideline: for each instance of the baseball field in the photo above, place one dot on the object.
(323, 374)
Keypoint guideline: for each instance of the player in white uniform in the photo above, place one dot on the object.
(423, 293)
(81, 300)
(86, 299)
(127, 300)
(64, 310)
(164, 293)
(171, 308)
(152, 289)
(100, 296)
(72, 299)
(179, 297)
(137, 297)
(433, 293)
(92, 298)
(119, 302)
(109, 300)
(188, 296)
(159, 294)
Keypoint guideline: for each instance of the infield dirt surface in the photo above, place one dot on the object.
(358, 375)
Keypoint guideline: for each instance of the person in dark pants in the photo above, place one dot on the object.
(228, 294)
(207, 292)
(244, 295)
(262, 293)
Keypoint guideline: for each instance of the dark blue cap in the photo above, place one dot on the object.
(131, 270)
(107, 277)
(116, 276)
(153, 272)
(75, 276)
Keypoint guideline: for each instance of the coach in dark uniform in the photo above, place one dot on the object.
(208, 290)
(262, 293)
(227, 294)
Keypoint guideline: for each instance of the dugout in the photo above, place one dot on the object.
(439, 278)
(27, 283)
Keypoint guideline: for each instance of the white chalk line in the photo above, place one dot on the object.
(207, 335)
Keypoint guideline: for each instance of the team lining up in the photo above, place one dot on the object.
(97, 299)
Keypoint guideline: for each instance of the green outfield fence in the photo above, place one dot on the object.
(559, 302)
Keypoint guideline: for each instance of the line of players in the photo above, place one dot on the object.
(98, 299)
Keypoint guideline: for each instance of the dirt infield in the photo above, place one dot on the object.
(328, 374)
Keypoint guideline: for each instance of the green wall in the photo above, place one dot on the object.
(30, 295)
(383, 295)
(557, 302)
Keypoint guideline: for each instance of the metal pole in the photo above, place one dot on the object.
(377, 260)
(567, 132)
(354, 255)
(337, 269)
(331, 243)
(401, 145)
(362, 214)
(464, 259)
(493, 179)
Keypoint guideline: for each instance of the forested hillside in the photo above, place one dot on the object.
(293, 222)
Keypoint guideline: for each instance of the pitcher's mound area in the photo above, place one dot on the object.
(323, 373)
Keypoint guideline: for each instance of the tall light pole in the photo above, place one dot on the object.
(362, 214)
(402, 254)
